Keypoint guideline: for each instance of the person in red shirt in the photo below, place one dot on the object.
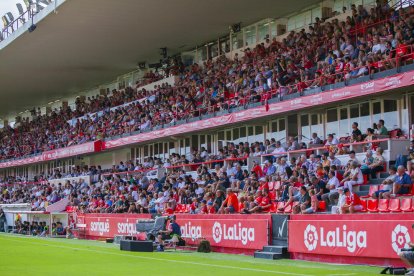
(210, 208)
(352, 202)
(230, 204)
(257, 169)
(264, 205)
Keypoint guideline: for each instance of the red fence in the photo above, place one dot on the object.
(354, 239)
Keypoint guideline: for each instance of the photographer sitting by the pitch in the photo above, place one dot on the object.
(172, 232)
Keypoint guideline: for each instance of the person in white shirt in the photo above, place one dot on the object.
(279, 150)
(331, 140)
(355, 177)
(333, 185)
(341, 201)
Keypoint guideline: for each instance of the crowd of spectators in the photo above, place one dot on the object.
(223, 183)
(327, 53)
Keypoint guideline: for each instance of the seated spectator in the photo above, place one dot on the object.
(376, 166)
(315, 140)
(314, 203)
(304, 201)
(355, 177)
(337, 209)
(231, 204)
(332, 185)
(387, 184)
(330, 141)
(352, 203)
(264, 205)
(402, 184)
(381, 129)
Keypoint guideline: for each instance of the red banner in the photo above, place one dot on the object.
(226, 231)
(90, 147)
(231, 231)
(109, 225)
(370, 236)
(329, 96)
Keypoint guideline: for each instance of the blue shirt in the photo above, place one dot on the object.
(405, 179)
(271, 170)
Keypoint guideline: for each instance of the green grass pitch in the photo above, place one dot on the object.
(40, 256)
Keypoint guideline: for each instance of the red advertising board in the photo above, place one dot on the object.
(90, 147)
(109, 225)
(327, 96)
(230, 231)
(365, 236)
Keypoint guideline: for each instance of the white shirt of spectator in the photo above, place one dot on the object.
(333, 181)
(358, 172)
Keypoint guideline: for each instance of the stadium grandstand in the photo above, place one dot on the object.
(277, 131)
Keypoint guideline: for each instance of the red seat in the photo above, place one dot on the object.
(288, 208)
(322, 206)
(365, 176)
(273, 208)
(279, 205)
(272, 195)
(364, 205)
(372, 189)
(394, 205)
(383, 205)
(372, 205)
(406, 204)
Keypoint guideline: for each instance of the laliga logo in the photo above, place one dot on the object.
(217, 232)
(311, 237)
(232, 233)
(192, 232)
(400, 238)
(351, 240)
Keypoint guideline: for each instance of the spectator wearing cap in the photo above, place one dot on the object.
(352, 203)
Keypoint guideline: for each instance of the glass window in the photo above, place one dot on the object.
(224, 45)
(213, 49)
(343, 123)
(263, 31)
(237, 40)
(354, 111)
(304, 120)
(242, 132)
(364, 119)
(250, 34)
(250, 131)
(236, 133)
(228, 135)
(220, 135)
(390, 114)
(332, 125)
